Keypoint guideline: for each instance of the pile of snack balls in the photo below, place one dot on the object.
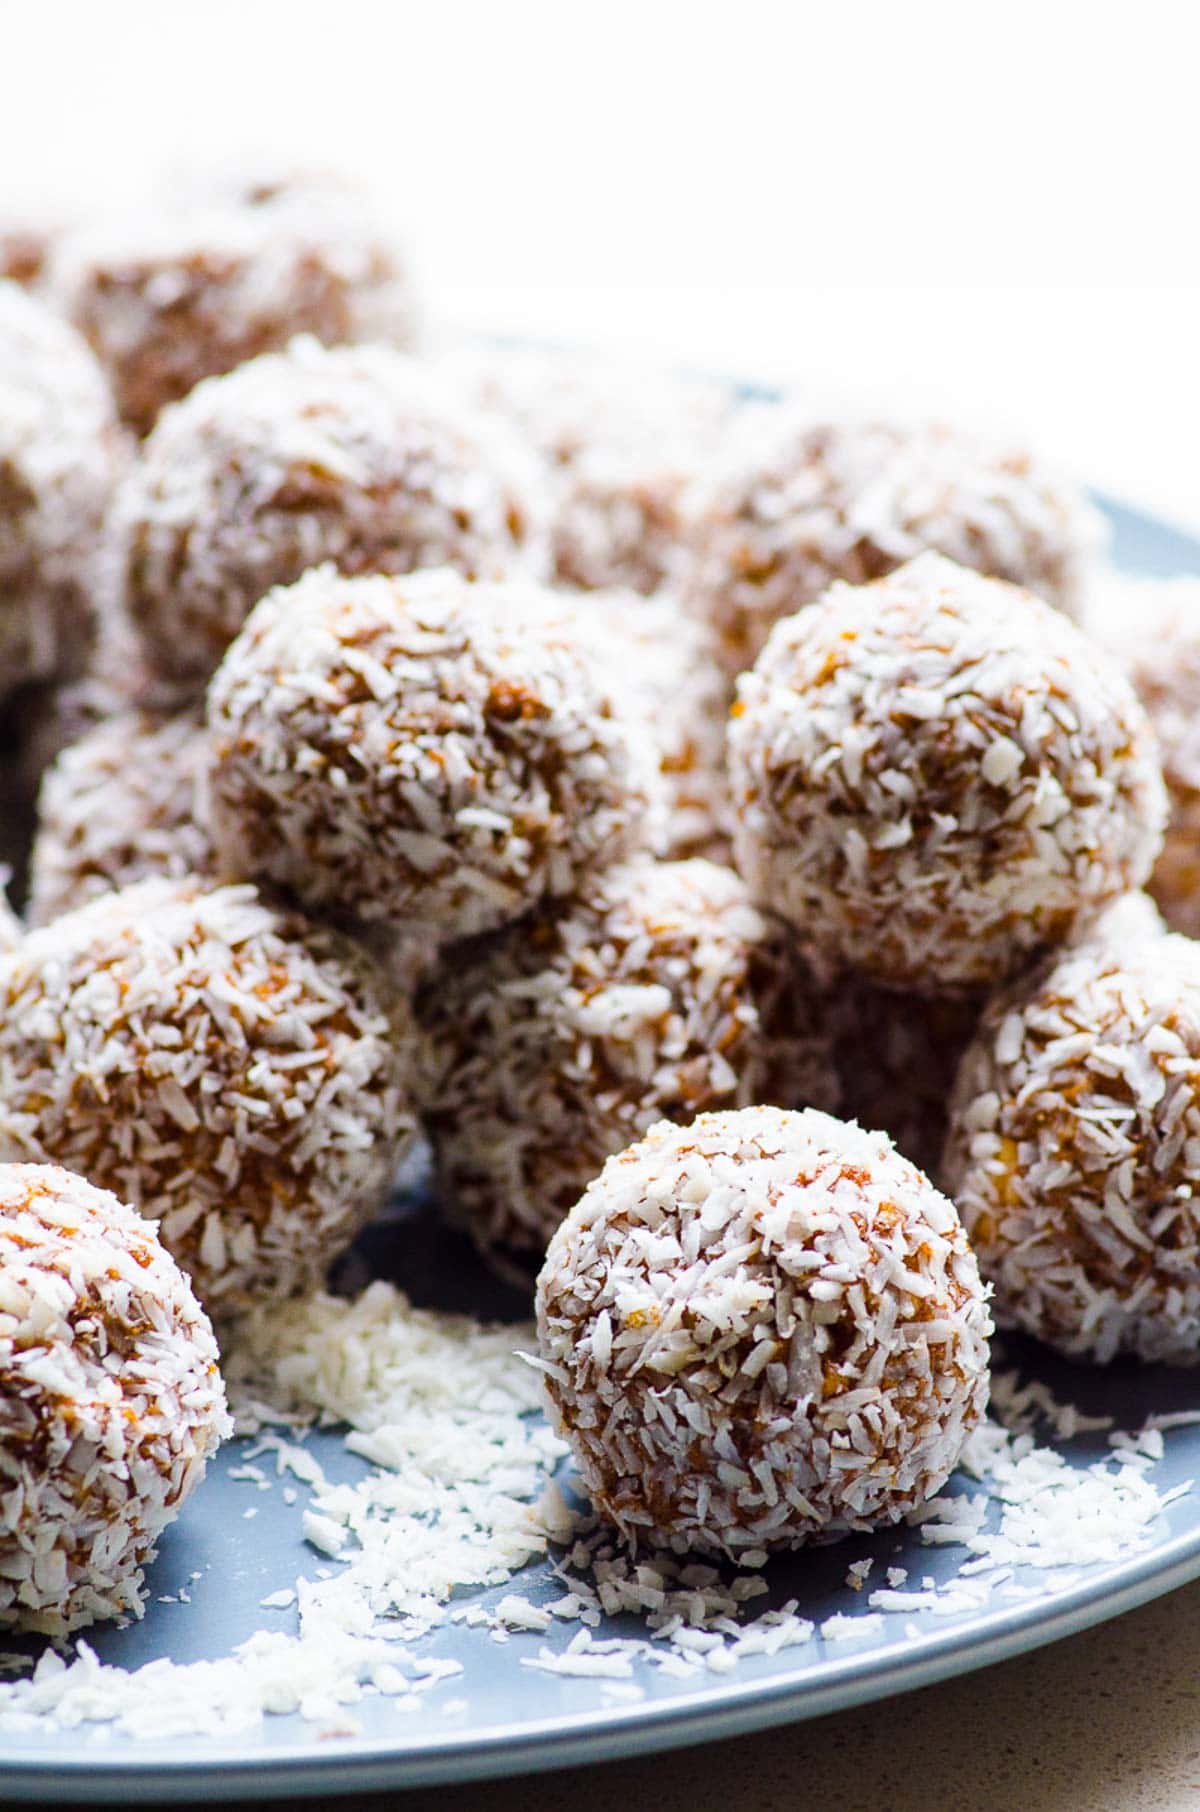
(714, 827)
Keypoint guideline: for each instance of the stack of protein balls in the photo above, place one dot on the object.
(616, 781)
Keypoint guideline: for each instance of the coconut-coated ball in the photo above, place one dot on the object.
(1074, 1149)
(937, 777)
(761, 1328)
(117, 805)
(111, 1406)
(61, 450)
(210, 278)
(1154, 626)
(354, 456)
(231, 1070)
(663, 665)
(791, 504)
(619, 445)
(658, 991)
(424, 752)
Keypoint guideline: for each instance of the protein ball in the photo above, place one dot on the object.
(1155, 630)
(793, 504)
(1073, 1151)
(937, 777)
(659, 991)
(60, 451)
(117, 805)
(761, 1328)
(173, 295)
(112, 1403)
(422, 751)
(355, 456)
(231, 1070)
(620, 445)
(663, 665)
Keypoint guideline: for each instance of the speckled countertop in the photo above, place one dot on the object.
(1106, 1722)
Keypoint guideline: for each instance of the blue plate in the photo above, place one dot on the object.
(501, 1718)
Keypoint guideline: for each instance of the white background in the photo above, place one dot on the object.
(977, 208)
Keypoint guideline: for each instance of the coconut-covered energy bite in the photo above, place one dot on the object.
(356, 456)
(663, 664)
(1074, 1150)
(1155, 629)
(937, 777)
(191, 290)
(761, 1328)
(111, 1402)
(658, 991)
(117, 805)
(233, 1071)
(421, 751)
(619, 444)
(793, 504)
(60, 452)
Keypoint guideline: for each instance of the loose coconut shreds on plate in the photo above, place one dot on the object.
(656, 991)
(112, 1401)
(353, 455)
(61, 451)
(228, 1068)
(1154, 627)
(1074, 1146)
(937, 777)
(792, 505)
(171, 296)
(620, 445)
(450, 1403)
(446, 1411)
(425, 752)
(119, 805)
(761, 1328)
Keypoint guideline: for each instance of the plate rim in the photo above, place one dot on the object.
(607, 1733)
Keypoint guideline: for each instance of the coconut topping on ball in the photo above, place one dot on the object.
(60, 452)
(1154, 626)
(658, 991)
(937, 777)
(230, 1069)
(356, 456)
(619, 443)
(1074, 1146)
(118, 805)
(761, 1328)
(663, 665)
(424, 751)
(111, 1401)
(794, 504)
(224, 272)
